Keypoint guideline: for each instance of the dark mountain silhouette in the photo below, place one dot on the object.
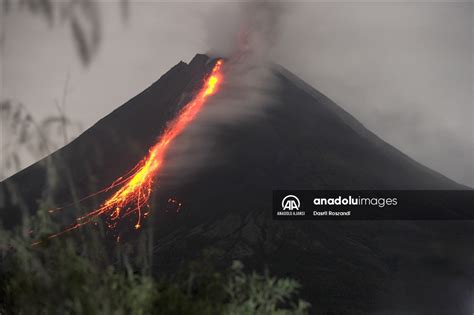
(304, 141)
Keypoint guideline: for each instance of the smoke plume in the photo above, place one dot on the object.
(245, 40)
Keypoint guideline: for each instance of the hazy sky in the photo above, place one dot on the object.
(404, 69)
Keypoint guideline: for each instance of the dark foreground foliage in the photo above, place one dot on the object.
(65, 276)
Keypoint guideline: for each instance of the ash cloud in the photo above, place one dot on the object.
(245, 40)
(251, 29)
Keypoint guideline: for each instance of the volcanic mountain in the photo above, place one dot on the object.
(302, 141)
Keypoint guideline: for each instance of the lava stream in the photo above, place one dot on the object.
(136, 186)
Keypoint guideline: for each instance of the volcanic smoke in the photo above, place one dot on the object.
(136, 185)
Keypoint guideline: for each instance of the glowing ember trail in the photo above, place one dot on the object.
(136, 185)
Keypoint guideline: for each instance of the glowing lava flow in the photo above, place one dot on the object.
(136, 186)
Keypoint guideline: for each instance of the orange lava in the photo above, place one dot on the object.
(136, 186)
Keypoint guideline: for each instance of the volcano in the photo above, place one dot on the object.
(302, 141)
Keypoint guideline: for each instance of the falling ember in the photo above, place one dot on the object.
(175, 204)
(136, 186)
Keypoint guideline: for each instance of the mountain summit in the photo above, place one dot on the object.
(302, 141)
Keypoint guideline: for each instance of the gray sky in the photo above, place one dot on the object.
(404, 69)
